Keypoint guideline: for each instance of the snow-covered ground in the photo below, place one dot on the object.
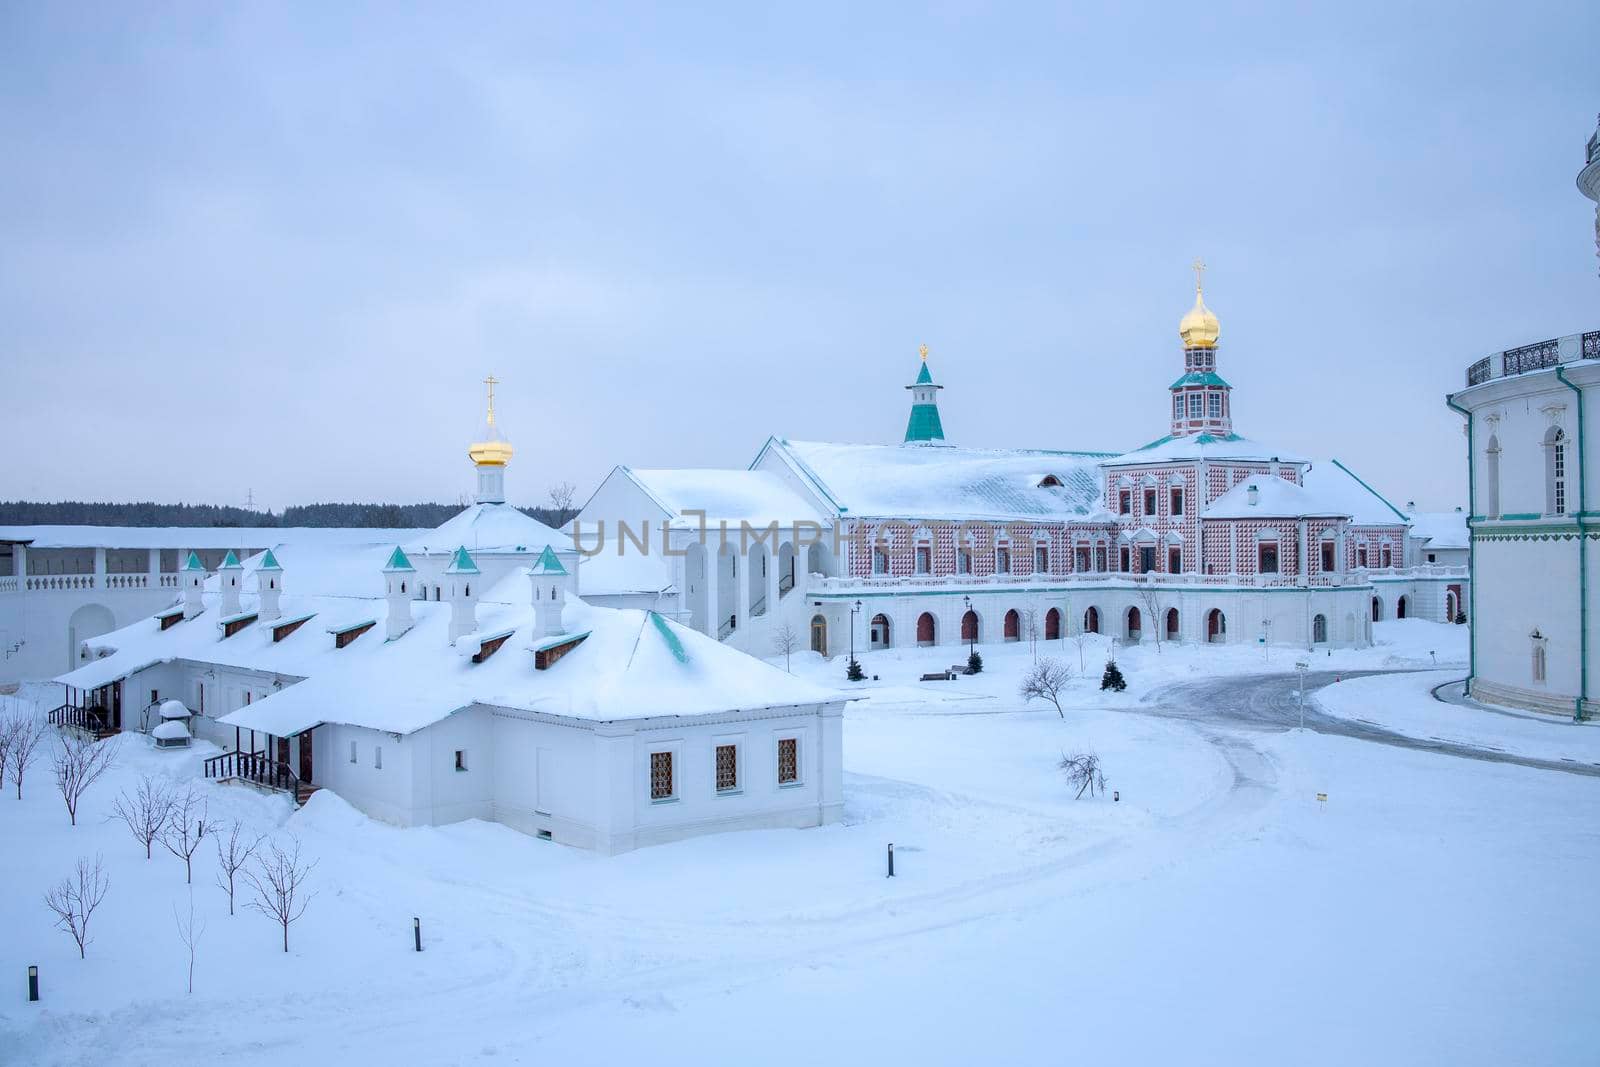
(1405, 705)
(1216, 913)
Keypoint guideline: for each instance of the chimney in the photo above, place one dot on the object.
(194, 580)
(228, 576)
(463, 575)
(1253, 495)
(550, 581)
(399, 578)
(1411, 505)
(269, 584)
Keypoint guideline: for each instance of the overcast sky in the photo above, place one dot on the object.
(248, 248)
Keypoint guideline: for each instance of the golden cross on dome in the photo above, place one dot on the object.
(1199, 269)
(491, 381)
(924, 351)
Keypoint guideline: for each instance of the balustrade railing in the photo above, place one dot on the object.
(1478, 373)
(1591, 345)
(257, 767)
(45, 583)
(1530, 357)
(10, 584)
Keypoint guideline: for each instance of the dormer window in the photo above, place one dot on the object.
(1050, 481)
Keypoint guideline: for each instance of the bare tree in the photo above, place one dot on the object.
(785, 642)
(1082, 641)
(24, 733)
(189, 933)
(7, 727)
(144, 811)
(79, 762)
(1155, 607)
(232, 854)
(74, 898)
(185, 828)
(1047, 681)
(1030, 630)
(1083, 771)
(562, 494)
(278, 881)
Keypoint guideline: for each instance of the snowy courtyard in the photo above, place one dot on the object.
(1434, 909)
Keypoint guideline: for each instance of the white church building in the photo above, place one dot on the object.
(1201, 535)
(462, 676)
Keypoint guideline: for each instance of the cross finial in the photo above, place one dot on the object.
(924, 351)
(1199, 270)
(491, 381)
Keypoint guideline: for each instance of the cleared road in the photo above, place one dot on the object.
(1269, 702)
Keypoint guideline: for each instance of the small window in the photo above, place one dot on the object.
(1125, 502)
(1123, 560)
(727, 768)
(1431, 558)
(1361, 555)
(1538, 661)
(377, 757)
(880, 561)
(1149, 502)
(1267, 557)
(1176, 503)
(789, 761)
(924, 559)
(1214, 405)
(1194, 405)
(1177, 405)
(1002, 560)
(352, 752)
(661, 784)
(1328, 557)
(461, 760)
(964, 561)
(1041, 559)
(1386, 557)
(1174, 560)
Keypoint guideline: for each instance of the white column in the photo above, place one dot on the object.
(153, 576)
(99, 568)
(830, 765)
(772, 580)
(741, 588)
(709, 587)
(614, 765)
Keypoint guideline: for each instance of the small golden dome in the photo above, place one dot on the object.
(494, 450)
(1199, 328)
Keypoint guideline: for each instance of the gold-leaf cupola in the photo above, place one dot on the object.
(491, 454)
(1199, 328)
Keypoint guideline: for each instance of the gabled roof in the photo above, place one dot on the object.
(461, 563)
(1440, 529)
(1274, 498)
(733, 496)
(398, 561)
(269, 562)
(493, 528)
(1204, 446)
(1339, 485)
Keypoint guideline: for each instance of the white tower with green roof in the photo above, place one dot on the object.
(924, 427)
(399, 578)
(464, 576)
(550, 581)
(194, 582)
(269, 584)
(228, 576)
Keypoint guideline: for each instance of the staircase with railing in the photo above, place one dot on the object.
(260, 769)
(91, 721)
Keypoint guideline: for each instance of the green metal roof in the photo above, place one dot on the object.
(398, 561)
(923, 377)
(269, 562)
(230, 560)
(193, 563)
(547, 563)
(924, 424)
(461, 563)
(1200, 378)
(670, 638)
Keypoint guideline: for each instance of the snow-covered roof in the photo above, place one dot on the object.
(191, 537)
(1440, 529)
(632, 664)
(937, 481)
(757, 497)
(489, 528)
(1204, 446)
(1271, 497)
(171, 730)
(1334, 482)
(608, 574)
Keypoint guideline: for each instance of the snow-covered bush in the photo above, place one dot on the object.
(974, 663)
(853, 672)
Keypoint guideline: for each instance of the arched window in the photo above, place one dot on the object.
(1539, 662)
(1052, 625)
(1491, 478)
(1216, 626)
(1013, 625)
(1091, 621)
(879, 631)
(1555, 471)
(1400, 608)
(969, 626)
(1134, 624)
(1172, 624)
(1319, 630)
(1377, 610)
(880, 560)
(1050, 481)
(819, 634)
(926, 631)
(469, 589)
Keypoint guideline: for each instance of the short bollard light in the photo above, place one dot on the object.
(416, 932)
(1116, 795)
(891, 859)
(33, 983)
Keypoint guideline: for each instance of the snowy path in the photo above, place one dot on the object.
(1271, 702)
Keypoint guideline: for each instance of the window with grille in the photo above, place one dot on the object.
(964, 561)
(1177, 502)
(1125, 502)
(1327, 557)
(1558, 460)
(661, 776)
(1149, 502)
(1002, 561)
(727, 768)
(1214, 405)
(924, 560)
(1041, 559)
(788, 760)
(880, 561)
(1268, 558)
(1194, 405)
(1177, 405)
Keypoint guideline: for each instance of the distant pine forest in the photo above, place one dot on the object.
(366, 516)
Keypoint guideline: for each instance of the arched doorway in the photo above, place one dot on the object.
(1091, 621)
(1319, 630)
(1377, 610)
(785, 568)
(1052, 625)
(1172, 624)
(969, 626)
(1135, 628)
(724, 618)
(819, 634)
(1400, 608)
(87, 622)
(879, 631)
(1216, 626)
(927, 633)
(1013, 625)
(1449, 607)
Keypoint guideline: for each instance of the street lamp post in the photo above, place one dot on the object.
(855, 610)
(973, 640)
(1300, 668)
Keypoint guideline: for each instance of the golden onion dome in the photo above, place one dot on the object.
(493, 450)
(1199, 328)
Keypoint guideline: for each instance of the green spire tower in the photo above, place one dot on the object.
(924, 427)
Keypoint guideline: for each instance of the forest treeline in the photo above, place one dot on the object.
(364, 516)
